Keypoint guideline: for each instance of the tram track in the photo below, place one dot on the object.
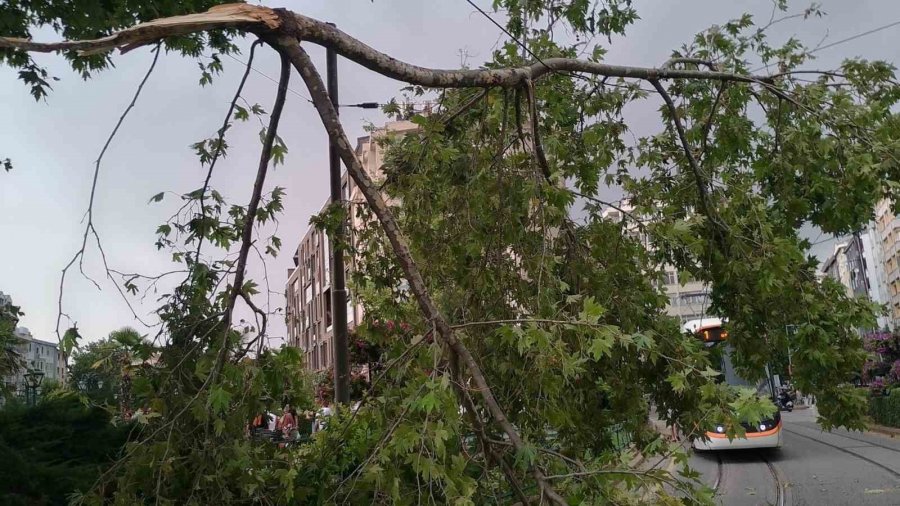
(780, 485)
(778, 482)
(875, 463)
(871, 443)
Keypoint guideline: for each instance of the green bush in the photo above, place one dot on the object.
(885, 410)
(54, 449)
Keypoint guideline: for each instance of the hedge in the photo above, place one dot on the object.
(54, 449)
(885, 410)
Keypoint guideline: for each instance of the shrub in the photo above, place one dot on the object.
(54, 449)
(885, 409)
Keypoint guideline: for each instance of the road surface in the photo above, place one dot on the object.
(813, 468)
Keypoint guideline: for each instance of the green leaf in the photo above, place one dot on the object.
(240, 113)
(592, 311)
(601, 345)
(157, 198)
(678, 381)
(219, 399)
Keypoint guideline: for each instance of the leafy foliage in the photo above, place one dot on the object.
(54, 449)
(882, 367)
(885, 410)
(88, 19)
(102, 370)
(10, 358)
(565, 317)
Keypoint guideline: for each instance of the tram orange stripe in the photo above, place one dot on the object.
(773, 430)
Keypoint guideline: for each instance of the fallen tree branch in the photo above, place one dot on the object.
(281, 22)
(699, 177)
(689, 61)
(250, 218)
(237, 15)
(89, 214)
(220, 139)
(338, 137)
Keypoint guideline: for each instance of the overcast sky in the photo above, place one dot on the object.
(53, 144)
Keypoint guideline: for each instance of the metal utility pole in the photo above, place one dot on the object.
(338, 289)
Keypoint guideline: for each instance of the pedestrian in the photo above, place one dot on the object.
(288, 420)
(324, 411)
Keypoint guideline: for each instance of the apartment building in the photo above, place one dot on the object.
(41, 356)
(837, 266)
(308, 312)
(886, 236)
(688, 297)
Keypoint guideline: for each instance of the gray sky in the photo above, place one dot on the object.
(53, 144)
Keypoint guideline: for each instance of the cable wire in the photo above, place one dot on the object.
(269, 78)
(842, 41)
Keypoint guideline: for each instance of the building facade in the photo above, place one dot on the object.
(859, 265)
(308, 312)
(887, 234)
(37, 355)
(837, 266)
(688, 297)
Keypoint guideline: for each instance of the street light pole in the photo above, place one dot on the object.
(338, 289)
(33, 379)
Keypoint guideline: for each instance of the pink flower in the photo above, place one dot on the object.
(390, 325)
(404, 326)
(895, 370)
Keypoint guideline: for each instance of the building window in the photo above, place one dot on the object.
(327, 297)
(671, 277)
(694, 298)
(327, 245)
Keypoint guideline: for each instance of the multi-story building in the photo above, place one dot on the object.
(858, 264)
(37, 355)
(41, 356)
(308, 289)
(688, 297)
(837, 266)
(887, 234)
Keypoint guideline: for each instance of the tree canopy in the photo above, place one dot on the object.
(10, 358)
(533, 337)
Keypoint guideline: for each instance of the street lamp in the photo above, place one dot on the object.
(33, 379)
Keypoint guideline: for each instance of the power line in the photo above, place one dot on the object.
(269, 78)
(502, 28)
(843, 41)
(854, 37)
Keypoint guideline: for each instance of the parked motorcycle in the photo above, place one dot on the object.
(784, 400)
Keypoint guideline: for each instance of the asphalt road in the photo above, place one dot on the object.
(813, 468)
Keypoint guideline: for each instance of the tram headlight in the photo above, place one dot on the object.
(720, 429)
(763, 427)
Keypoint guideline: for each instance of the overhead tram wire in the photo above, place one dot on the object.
(843, 41)
(361, 105)
(270, 78)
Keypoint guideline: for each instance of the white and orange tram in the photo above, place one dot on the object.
(766, 433)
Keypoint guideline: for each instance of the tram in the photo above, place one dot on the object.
(765, 434)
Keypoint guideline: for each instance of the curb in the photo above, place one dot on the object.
(884, 430)
(637, 460)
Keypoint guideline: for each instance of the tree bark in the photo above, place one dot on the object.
(278, 22)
